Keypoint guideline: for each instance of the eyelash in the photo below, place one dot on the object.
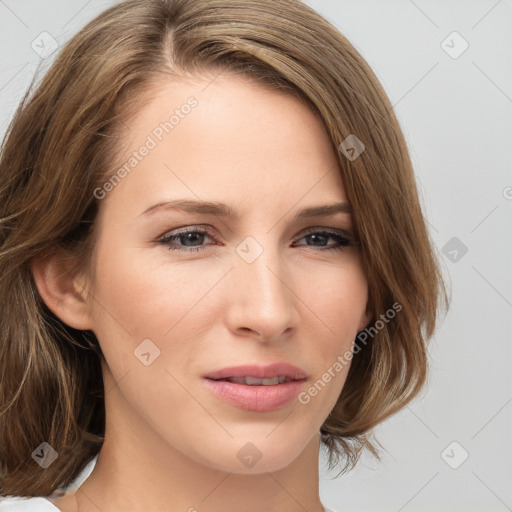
(341, 238)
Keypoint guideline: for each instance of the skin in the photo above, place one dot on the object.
(170, 443)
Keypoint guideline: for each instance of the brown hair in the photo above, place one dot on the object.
(60, 146)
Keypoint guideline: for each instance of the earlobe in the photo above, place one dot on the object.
(62, 292)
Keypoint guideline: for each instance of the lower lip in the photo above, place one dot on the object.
(256, 398)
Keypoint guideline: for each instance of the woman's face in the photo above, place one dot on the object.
(260, 286)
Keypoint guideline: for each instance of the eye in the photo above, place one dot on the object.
(322, 235)
(192, 239)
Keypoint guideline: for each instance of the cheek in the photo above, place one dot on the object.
(140, 301)
(337, 296)
(141, 297)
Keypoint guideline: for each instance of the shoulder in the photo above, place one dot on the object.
(19, 504)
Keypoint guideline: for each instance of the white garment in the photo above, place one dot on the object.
(14, 504)
(17, 504)
(40, 504)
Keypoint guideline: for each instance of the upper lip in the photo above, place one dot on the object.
(260, 372)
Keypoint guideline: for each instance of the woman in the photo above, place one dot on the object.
(213, 263)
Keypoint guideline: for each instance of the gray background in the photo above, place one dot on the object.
(455, 109)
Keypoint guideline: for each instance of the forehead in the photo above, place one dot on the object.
(226, 139)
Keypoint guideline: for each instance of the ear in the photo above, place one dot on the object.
(63, 292)
(365, 319)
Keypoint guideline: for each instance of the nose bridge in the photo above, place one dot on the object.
(263, 299)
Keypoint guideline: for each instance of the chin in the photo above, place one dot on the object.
(254, 454)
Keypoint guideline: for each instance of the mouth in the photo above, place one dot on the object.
(259, 375)
(257, 388)
(255, 381)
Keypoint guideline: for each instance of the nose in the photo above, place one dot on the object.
(261, 300)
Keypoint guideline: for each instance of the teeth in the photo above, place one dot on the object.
(253, 381)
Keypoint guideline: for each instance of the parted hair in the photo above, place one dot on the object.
(61, 145)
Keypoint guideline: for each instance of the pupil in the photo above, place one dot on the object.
(189, 237)
(316, 237)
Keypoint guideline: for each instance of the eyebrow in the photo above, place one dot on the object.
(224, 210)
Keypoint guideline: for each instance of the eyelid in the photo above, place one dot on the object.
(187, 229)
(336, 231)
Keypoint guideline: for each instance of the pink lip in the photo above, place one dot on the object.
(257, 398)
